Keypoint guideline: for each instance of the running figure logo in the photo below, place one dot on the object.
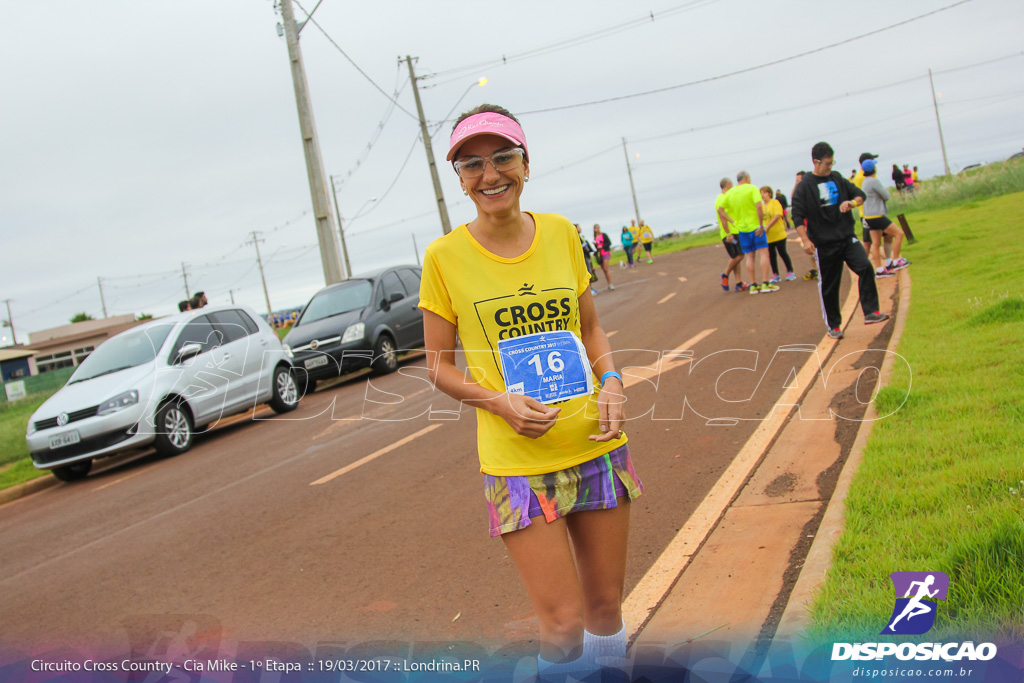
(912, 616)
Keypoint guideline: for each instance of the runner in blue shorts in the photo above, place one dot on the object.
(743, 203)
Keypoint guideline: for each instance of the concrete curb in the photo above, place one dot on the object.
(648, 597)
(17, 491)
(796, 616)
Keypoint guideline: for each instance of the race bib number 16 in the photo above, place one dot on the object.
(548, 366)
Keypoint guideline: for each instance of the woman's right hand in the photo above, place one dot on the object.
(525, 415)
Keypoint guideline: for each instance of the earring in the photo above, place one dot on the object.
(526, 179)
(465, 193)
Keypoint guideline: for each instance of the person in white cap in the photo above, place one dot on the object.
(558, 477)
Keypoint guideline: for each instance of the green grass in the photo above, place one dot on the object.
(13, 449)
(13, 421)
(19, 473)
(994, 180)
(670, 245)
(941, 486)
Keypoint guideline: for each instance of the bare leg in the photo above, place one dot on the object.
(734, 266)
(765, 269)
(876, 241)
(895, 234)
(544, 559)
(599, 538)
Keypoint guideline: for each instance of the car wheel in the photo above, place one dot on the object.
(173, 430)
(74, 471)
(286, 392)
(385, 356)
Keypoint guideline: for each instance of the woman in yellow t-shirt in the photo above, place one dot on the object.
(776, 233)
(512, 281)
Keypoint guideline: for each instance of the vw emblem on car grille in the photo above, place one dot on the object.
(315, 343)
(63, 419)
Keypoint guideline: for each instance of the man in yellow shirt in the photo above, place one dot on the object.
(743, 204)
(727, 230)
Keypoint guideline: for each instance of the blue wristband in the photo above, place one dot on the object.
(610, 373)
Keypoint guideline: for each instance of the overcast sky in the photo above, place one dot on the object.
(139, 135)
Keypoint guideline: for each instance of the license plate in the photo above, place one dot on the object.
(315, 362)
(65, 439)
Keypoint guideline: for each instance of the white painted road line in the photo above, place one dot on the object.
(682, 279)
(375, 455)
(666, 298)
(677, 357)
(117, 481)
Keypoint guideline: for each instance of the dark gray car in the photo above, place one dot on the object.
(365, 321)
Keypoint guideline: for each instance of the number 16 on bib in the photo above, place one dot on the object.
(547, 366)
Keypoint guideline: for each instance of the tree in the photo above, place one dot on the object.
(144, 316)
(81, 317)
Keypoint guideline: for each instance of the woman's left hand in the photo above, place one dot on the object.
(611, 406)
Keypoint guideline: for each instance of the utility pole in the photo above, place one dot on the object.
(942, 141)
(330, 253)
(256, 242)
(341, 229)
(10, 322)
(416, 249)
(185, 275)
(632, 188)
(442, 209)
(231, 293)
(104, 303)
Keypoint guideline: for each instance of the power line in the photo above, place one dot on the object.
(352, 62)
(378, 129)
(750, 68)
(597, 34)
(398, 175)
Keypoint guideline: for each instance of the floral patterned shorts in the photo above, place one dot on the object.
(592, 485)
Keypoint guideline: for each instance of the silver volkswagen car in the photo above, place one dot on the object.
(157, 384)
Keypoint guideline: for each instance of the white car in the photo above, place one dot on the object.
(157, 384)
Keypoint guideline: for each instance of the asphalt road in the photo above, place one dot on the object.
(235, 541)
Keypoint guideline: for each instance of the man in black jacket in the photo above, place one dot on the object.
(821, 211)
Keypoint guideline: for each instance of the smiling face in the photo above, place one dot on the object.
(495, 192)
(766, 196)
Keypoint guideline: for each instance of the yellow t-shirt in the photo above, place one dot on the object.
(635, 231)
(777, 232)
(646, 234)
(489, 298)
(741, 205)
(722, 232)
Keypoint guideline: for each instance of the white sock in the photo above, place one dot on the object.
(562, 672)
(605, 651)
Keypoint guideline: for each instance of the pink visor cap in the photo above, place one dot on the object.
(487, 123)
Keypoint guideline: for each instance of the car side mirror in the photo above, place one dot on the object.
(188, 351)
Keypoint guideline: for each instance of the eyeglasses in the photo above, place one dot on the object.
(505, 160)
(826, 164)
